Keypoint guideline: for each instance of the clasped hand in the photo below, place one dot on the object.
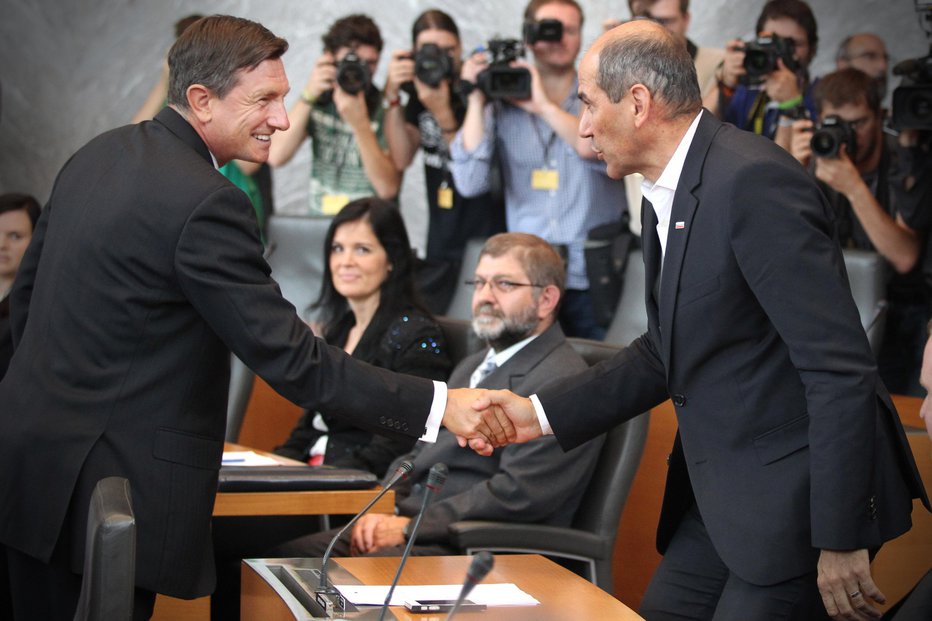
(488, 419)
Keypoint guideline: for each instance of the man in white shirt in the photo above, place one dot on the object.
(790, 467)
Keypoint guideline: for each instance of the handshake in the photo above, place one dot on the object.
(488, 419)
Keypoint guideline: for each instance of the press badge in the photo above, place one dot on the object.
(545, 179)
(445, 196)
(331, 204)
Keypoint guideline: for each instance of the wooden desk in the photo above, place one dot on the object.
(563, 595)
(336, 502)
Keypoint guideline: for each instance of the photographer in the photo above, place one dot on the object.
(861, 170)
(553, 186)
(757, 107)
(429, 120)
(343, 118)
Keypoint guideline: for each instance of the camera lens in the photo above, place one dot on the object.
(824, 144)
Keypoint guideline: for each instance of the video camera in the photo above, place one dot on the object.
(761, 54)
(912, 100)
(544, 30)
(830, 134)
(501, 81)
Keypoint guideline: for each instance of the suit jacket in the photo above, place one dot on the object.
(145, 270)
(402, 340)
(535, 482)
(787, 439)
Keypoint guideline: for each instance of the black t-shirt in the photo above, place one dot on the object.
(450, 228)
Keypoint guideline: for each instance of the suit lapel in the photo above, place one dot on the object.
(519, 365)
(651, 248)
(178, 125)
(685, 204)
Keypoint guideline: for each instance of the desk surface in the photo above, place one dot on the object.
(563, 595)
(297, 503)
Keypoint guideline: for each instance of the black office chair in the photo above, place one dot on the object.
(867, 275)
(460, 306)
(110, 557)
(591, 537)
(630, 320)
(461, 340)
(242, 380)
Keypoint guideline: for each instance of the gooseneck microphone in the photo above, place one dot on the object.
(435, 480)
(401, 472)
(479, 568)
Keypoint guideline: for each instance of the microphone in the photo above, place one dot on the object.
(479, 568)
(435, 480)
(401, 472)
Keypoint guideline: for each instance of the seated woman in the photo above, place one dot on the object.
(18, 216)
(369, 307)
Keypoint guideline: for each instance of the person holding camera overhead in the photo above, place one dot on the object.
(861, 171)
(428, 74)
(526, 115)
(341, 111)
(763, 85)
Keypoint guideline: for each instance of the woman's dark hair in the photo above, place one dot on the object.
(15, 202)
(433, 19)
(795, 10)
(398, 290)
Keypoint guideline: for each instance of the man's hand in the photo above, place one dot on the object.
(782, 84)
(323, 76)
(468, 422)
(846, 585)
(375, 531)
(839, 173)
(509, 410)
(400, 70)
(351, 108)
(732, 64)
(801, 141)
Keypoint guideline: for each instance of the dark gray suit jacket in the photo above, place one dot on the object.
(534, 482)
(787, 439)
(144, 272)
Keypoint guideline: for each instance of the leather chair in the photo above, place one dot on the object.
(241, 381)
(296, 255)
(867, 275)
(461, 340)
(461, 303)
(110, 558)
(630, 320)
(591, 537)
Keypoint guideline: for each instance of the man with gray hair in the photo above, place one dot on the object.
(790, 466)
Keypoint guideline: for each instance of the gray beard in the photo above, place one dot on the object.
(501, 332)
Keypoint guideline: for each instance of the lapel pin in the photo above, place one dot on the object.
(680, 225)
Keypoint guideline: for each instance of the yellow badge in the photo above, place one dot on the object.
(331, 204)
(445, 197)
(545, 179)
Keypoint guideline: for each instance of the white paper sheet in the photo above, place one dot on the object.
(501, 594)
(247, 458)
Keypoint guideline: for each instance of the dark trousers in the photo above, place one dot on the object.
(50, 591)
(577, 316)
(692, 582)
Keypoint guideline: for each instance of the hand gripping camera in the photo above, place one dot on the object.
(828, 136)
(761, 54)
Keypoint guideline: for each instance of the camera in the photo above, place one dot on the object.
(544, 30)
(912, 100)
(353, 74)
(499, 80)
(830, 134)
(761, 54)
(432, 65)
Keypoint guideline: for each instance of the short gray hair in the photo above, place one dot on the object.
(656, 60)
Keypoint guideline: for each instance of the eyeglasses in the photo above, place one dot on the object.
(499, 285)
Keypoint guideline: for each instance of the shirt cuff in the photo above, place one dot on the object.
(545, 427)
(437, 407)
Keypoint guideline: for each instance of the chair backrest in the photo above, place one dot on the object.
(600, 509)
(461, 303)
(867, 275)
(630, 319)
(461, 340)
(110, 558)
(296, 256)
(241, 382)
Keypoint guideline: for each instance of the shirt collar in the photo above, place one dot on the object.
(506, 354)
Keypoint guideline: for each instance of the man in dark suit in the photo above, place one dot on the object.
(518, 284)
(790, 466)
(144, 272)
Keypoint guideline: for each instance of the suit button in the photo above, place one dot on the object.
(389, 422)
(381, 420)
(397, 424)
(404, 426)
(679, 400)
